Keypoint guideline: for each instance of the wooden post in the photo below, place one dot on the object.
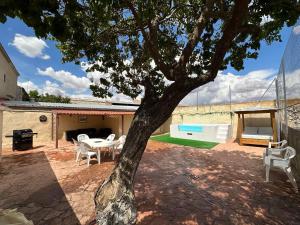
(56, 129)
(52, 127)
(239, 128)
(122, 124)
(274, 128)
(243, 122)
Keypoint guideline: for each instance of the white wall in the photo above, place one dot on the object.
(19, 119)
(8, 87)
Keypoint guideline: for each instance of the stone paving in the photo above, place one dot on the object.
(174, 185)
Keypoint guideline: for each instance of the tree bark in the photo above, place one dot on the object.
(115, 198)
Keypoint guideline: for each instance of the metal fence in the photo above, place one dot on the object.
(288, 84)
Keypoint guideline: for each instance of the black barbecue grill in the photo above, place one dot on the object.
(22, 139)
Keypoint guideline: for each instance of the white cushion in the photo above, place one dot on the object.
(257, 136)
(265, 131)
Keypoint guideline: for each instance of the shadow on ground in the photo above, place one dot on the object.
(178, 185)
(32, 187)
(174, 185)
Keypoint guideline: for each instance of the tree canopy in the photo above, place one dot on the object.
(160, 49)
(48, 97)
(139, 44)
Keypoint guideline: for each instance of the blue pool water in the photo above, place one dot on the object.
(190, 128)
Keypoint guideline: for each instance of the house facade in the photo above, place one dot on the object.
(54, 122)
(9, 89)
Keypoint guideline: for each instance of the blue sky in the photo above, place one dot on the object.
(269, 56)
(43, 69)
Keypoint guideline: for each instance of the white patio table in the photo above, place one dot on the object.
(97, 144)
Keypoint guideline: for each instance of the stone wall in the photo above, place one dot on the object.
(294, 141)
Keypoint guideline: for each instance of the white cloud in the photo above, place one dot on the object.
(95, 76)
(249, 87)
(293, 84)
(30, 46)
(115, 98)
(78, 86)
(296, 30)
(85, 96)
(67, 79)
(48, 87)
(28, 86)
(122, 98)
(45, 57)
(52, 89)
(266, 19)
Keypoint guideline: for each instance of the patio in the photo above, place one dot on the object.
(175, 185)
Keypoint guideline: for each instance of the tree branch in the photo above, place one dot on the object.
(250, 29)
(195, 35)
(231, 29)
(164, 68)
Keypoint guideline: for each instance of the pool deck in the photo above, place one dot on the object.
(174, 185)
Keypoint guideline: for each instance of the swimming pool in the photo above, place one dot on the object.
(190, 128)
(203, 132)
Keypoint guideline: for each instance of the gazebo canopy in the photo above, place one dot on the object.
(255, 138)
(255, 110)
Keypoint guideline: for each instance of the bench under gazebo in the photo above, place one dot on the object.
(256, 135)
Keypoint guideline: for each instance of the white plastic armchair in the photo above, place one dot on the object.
(76, 149)
(110, 137)
(276, 151)
(85, 152)
(118, 145)
(283, 163)
(82, 137)
(280, 144)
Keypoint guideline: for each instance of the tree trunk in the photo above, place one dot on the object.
(114, 200)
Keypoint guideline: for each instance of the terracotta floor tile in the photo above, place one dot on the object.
(174, 185)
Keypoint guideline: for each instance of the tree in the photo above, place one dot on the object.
(47, 97)
(34, 94)
(160, 49)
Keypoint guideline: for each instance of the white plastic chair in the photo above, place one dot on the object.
(84, 152)
(82, 137)
(280, 144)
(118, 145)
(276, 151)
(284, 163)
(110, 137)
(76, 149)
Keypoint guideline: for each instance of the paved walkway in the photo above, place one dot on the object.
(225, 185)
(175, 185)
